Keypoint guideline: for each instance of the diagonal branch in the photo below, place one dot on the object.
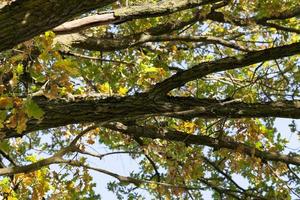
(58, 160)
(100, 156)
(227, 176)
(227, 143)
(7, 157)
(55, 159)
(81, 41)
(205, 68)
(31, 167)
(264, 21)
(127, 179)
(125, 14)
(220, 190)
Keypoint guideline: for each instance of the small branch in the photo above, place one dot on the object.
(55, 159)
(7, 157)
(141, 143)
(292, 171)
(73, 143)
(281, 28)
(151, 35)
(216, 143)
(101, 156)
(228, 177)
(126, 179)
(284, 182)
(95, 58)
(220, 190)
(220, 17)
(203, 39)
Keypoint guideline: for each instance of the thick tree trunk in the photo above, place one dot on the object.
(25, 19)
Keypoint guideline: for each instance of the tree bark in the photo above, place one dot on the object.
(25, 19)
(125, 14)
(63, 112)
(202, 69)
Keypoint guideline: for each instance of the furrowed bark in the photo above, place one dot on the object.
(129, 13)
(81, 41)
(62, 112)
(25, 19)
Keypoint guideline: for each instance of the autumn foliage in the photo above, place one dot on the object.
(190, 89)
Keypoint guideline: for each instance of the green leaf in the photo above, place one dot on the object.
(33, 110)
(20, 69)
(4, 146)
(68, 66)
(259, 145)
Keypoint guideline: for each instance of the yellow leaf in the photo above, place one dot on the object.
(5, 102)
(21, 122)
(151, 69)
(173, 48)
(12, 198)
(49, 34)
(31, 158)
(105, 88)
(122, 90)
(189, 127)
(153, 186)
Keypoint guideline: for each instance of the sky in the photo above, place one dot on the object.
(123, 164)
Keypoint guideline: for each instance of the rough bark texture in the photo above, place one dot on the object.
(25, 19)
(129, 13)
(63, 112)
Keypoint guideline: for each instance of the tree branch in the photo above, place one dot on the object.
(125, 14)
(113, 44)
(62, 112)
(81, 41)
(7, 157)
(220, 17)
(227, 176)
(126, 179)
(22, 20)
(227, 143)
(221, 190)
(55, 159)
(205, 68)
(100, 156)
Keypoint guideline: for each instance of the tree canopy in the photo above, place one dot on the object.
(188, 88)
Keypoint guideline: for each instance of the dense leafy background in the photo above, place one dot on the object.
(130, 59)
